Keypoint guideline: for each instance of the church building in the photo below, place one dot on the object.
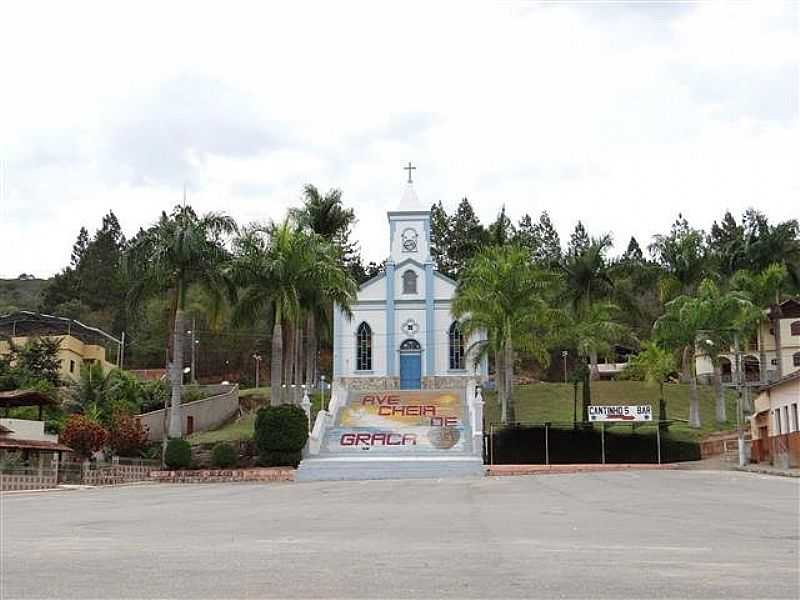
(402, 333)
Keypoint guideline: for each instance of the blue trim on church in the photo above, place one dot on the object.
(391, 351)
(430, 347)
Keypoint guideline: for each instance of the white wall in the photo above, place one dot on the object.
(375, 317)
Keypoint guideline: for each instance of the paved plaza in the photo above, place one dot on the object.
(617, 534)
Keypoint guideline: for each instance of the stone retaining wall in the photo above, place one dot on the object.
(12, 482)
(263, 475)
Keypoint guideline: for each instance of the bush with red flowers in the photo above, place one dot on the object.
(126, 435)
(83, 435)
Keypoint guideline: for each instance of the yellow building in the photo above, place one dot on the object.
(78, 343)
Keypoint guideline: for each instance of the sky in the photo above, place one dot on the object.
(621, 115)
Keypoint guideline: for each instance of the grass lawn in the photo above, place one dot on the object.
(242, 428)
(553, 402)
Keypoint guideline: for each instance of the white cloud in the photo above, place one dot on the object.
(619, 115)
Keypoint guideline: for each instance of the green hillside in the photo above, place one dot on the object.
(20, 294)
(553, 402)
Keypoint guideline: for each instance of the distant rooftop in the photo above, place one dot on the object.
(24, 323)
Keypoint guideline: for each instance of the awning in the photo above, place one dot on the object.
(7, 443)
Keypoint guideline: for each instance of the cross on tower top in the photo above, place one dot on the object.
(409, 168)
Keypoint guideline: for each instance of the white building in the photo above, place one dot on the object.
(402, 334)
(763, 348)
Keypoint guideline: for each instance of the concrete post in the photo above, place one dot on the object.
(477, 423)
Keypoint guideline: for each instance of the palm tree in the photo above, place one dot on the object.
(764, 290)
(326, 216)
(279, 267)
(717, 317)
(588, 280)
(180, 251)
(682, 254)
(502, 295)
(654, 364)
(592, 331)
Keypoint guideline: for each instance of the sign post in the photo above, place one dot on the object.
(658, 441)
(623, 413)
(603, 440)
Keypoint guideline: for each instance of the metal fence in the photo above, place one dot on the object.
(584, 443)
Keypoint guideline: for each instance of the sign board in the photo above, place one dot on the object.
(399, 421)
(621, 414)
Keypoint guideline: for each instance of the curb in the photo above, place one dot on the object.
(517, 470)
(766, 471)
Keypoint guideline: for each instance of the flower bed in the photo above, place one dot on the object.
(224, 475)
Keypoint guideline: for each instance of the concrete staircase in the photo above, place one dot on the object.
(395, 435)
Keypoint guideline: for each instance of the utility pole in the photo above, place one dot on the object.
(739, 415)
(257, 358)
(564, 354)
(194, 345)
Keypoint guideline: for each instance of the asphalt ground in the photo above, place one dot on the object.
(647, 534)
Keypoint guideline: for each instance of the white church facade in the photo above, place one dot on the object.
(402, 333)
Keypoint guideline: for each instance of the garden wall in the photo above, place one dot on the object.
(200, 415)
(11, 481)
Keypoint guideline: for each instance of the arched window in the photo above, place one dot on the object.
(410, 346)
(456, 347)
(409, 282)
(364, 348)
(796, 359)
(795, 328)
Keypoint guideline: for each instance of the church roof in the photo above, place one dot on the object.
(410, 201)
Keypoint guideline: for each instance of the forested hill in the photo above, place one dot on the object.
(21, 294)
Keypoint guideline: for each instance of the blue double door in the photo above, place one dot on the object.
(410, 370)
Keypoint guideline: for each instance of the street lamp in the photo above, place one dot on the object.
(322, 387)
(564, 355)
(257, 358)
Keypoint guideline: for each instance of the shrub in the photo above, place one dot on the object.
(280, 433)
(126, 436)
(83, 435)
(178, 454)
(224, 456)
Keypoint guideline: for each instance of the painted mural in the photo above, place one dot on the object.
(399, 422)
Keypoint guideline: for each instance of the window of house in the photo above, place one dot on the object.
(456, 347)
(364, 348)
(777, 414)
(786, 419)
(795, 328)
(72, 366)
(409, 282)
(794, 417)
(795, 359)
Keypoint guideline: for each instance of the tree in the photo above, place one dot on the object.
(654, 364)
(726, 246)
(126, 435)
(502, 231)
(180, 251)
(547, 244)
(591, 330)
(764, 289)
(455, 239)
(633, 253)
(710, 318)
(504, 296)
(587, 279)
(578, 241)
(279, 267)
(83, 435)
(33, 364)
(682, 254)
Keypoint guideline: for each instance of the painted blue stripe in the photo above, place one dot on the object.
(337, 341)
(390, 319)
(430, 347)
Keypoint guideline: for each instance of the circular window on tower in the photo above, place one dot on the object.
(409, 239)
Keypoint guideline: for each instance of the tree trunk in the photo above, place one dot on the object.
(499, 378)
(595, 370)
(176, 377)
(762, 356)
(288, 363)
(299, 369)
(686, 367)
(508, 366)
(276, 364)
(587, 393)
(694, 403)
(720, 394)
(311, 351)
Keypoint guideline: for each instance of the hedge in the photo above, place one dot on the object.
(224, 456)
(281, 433)
(178, 454)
